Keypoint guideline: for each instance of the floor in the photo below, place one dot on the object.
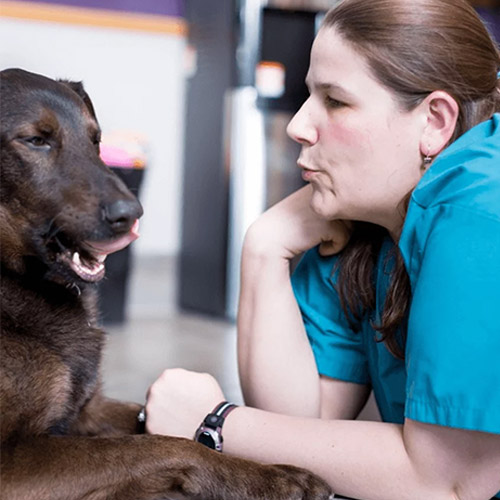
(157, 335)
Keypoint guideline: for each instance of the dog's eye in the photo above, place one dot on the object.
(37, 141)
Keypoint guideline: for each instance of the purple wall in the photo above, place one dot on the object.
(173, 8)
(491, 18)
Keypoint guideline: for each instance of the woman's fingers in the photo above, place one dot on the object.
(339, 238)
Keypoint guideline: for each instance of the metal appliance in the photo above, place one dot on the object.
(253, 57)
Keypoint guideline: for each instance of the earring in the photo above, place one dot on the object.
(427, 159)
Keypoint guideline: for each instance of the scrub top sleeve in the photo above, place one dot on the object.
(338, 351)
(453, 345)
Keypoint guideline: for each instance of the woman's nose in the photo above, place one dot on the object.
(301, 128)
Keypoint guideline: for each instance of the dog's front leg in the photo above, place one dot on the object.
(103, 416)
(77, 468)
(143, 467)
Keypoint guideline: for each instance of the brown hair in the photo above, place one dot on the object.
(412, 48)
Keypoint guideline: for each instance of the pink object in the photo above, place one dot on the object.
(117, 157)
(114, 245)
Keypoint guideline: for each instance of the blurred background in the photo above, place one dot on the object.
(193, 97)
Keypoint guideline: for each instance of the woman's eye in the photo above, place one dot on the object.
(333, 103)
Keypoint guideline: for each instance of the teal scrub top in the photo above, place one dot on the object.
(451, 248)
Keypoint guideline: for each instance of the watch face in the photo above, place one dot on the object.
(206, 439)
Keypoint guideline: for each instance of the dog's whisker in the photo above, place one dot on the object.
(53, 229)
(72, 286)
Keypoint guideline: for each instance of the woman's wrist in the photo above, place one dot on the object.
(290, 228)
(209, 432)
(262, 243)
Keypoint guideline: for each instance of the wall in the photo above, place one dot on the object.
(132, 66)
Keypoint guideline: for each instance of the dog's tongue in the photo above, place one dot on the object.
(100, 250)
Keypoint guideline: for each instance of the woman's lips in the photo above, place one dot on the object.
(307, 173)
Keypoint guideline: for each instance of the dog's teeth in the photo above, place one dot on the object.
(88, 271)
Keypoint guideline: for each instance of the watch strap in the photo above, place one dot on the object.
(212, 425)
(215, 419)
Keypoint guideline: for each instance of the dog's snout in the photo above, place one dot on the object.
(121, 214)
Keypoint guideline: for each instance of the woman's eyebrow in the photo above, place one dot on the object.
(329, 87)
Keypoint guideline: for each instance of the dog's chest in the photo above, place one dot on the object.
(56, 329)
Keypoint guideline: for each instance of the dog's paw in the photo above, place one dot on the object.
(292, 483)
(215, 476)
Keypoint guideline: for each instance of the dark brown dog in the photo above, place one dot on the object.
(62, 211)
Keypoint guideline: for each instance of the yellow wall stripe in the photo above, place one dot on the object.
(93, 17)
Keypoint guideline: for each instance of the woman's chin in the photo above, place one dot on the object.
(324, 205)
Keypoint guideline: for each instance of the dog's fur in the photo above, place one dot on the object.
(61, 439)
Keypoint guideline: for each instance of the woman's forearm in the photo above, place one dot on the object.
(277, 367)
(324, 448)
(372, 460)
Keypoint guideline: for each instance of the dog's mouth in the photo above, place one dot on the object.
(87, 262)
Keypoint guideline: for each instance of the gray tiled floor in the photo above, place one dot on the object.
(157, 335)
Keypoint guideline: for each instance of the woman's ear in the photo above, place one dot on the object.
(442, 115)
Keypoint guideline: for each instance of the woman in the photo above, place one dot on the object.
(399, 135)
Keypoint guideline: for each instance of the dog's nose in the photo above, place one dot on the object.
(121, 214)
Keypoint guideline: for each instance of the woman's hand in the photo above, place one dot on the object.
(270, 327)
(179, 400)
(291, 227)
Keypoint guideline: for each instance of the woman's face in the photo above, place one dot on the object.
(360, 150)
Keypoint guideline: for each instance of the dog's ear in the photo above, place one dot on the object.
(78, 88)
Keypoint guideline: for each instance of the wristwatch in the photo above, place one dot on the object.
(209, 432)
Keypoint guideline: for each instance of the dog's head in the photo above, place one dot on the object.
(59, 204)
